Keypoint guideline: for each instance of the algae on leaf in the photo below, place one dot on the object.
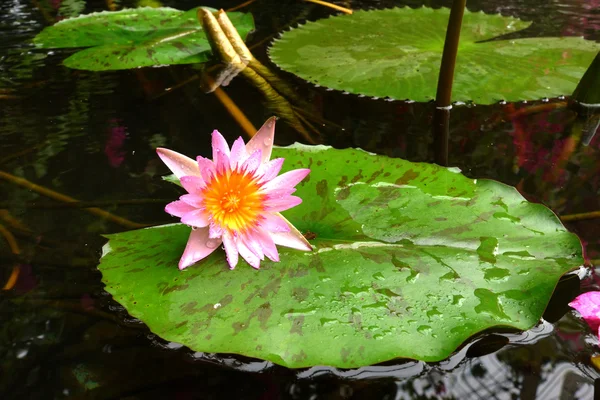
(409, 260)
(396, 53)
(132, 38)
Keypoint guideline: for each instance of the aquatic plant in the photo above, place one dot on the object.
(588, 305)
(236, 199)
(133, 38)
(396, 53)
(410, 260)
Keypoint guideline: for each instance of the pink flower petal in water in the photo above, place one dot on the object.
(114, 147)
(235, 199)
(588, 305)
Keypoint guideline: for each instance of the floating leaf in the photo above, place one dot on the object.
(134, 38)
(410, 260)
(397, 53)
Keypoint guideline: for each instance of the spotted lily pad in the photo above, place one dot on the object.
(132, 38)
(396, 53)
(409, 260)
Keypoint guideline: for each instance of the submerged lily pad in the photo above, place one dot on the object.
(410, 260)
(396, 53)
(132, 38)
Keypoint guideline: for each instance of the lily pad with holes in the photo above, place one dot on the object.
(396, 53)
(409, 260)
(134, 38)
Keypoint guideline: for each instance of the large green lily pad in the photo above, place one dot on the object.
(396, 53)
(410, 260)
(132, 38)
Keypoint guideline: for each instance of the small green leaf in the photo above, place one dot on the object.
(396, 53)
(410, 260)
(134, 38)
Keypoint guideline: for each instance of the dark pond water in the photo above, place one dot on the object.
(92, 136)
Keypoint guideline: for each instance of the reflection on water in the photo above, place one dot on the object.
(92, 136)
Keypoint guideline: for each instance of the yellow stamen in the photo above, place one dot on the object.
(233, 200)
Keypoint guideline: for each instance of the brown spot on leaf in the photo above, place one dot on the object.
(299, 357)
(379, 258)
(357, 177)
(300, 293)
(343, 193)
(345, 353)
(308, 235)
(262, 313)
(408, 176)
(271, 287)
(454, 231)
(322, 188)
(301, 270)
(297, 323)
(374, 176)
(175, 288)
(317, 264)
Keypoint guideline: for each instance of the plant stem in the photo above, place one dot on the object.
(440, 125)
(61, 197)
(580, 217)
(446, 77)
(331, 5)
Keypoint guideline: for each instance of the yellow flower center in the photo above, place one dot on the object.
(233, 200)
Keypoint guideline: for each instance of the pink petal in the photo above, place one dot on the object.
(281, 204)
(292, 239)
(206, 168)
(196, 218)
(179, 164)
(198, 246)
(247, 255)
(193, 184)
(179, 208)
(280, 193)
(588, 305)
(288, 179)
(263, 140)
(238, 153)
(220, 151)
(215, 231)
(269, 170)
(252, 243)
(267, 244)
(231, 250)
(252, 163)
(193, 200)
(274, 222)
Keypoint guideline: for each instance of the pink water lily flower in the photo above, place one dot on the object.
(588, 305)
(236, 199)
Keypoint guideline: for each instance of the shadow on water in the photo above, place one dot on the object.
(92, 136)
